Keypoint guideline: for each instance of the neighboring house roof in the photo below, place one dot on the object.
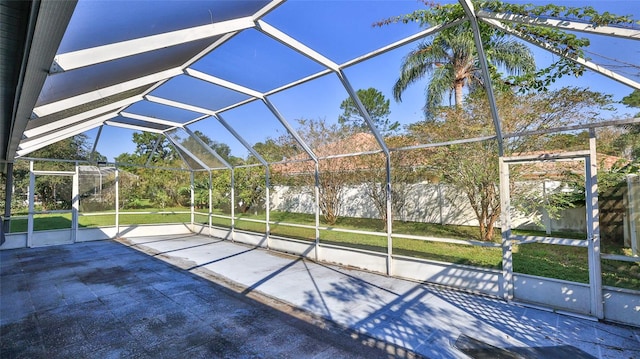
(364, 142)
(559, 169)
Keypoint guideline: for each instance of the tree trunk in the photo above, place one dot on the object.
(458, 91)
(489, 233)
(482, 230)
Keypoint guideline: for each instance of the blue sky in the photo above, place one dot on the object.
(341, 30)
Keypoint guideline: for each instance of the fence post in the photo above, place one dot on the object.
(545, 212)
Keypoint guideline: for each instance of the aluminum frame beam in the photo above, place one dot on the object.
(95, 143)
(291, 130)
(242, 89)
(177, 149)
(150, 119)
(209, 149)
(95, 55)
(484, 67)
(224, 83)
(296, 45)
(402, 42)
(159, 138)
(240, 139)
(588, 64)
(187, 152)
(363, 111)
(562, 24)
(36, 146)
(184, 106)
(132, 127)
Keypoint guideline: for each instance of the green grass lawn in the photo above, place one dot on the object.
(553, 261)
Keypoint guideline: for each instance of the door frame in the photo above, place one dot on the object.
(592, 220)
(74, 201)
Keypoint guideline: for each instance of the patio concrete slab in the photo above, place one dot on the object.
(107, 300)
(432, 321)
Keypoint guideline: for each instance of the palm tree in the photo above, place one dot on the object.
(451, 61)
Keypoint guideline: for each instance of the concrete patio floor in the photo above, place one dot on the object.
(215, 298)
(106, 300)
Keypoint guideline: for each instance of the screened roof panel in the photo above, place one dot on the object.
(61, 128)
(162, 112)
(105, 101)
(97, 23)
(196, 146)
(191, 163)
(139, 123)
(410, 109)
(261, 129)
(256, 61)
(213, 130)
(191, 91)
(346, 26)
(624, 63)
(125, 142)
(67, 84)
(294, 40)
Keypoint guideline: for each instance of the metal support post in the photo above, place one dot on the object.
(6, 220)
(95, 145)
(75, 204)
(233, 204)
(267, 204)
(317, 208)
(193, 198)
(633, 193)
(32, 189)
(505, 218)
(117, 173)
(210, 201)
(389, 210)
(593, 228)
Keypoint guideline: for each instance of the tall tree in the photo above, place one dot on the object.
(450, 62)
(335, 174)
(629, 143)
(632, 100)
(450, 59)
(376, 105)
(374, 176)
(472, 168)
(145, 142)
